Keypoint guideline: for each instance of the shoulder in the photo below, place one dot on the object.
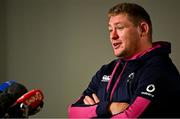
(110, 65)
(161, 65)
(158, 61)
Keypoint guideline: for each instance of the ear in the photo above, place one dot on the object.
(143, 28)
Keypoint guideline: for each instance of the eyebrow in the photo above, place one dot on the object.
(109, 25)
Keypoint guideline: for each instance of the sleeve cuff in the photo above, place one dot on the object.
(102, 109)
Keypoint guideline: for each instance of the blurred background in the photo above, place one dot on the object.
(58, 45)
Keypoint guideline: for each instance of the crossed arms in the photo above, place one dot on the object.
(114, 108)
(93, 107)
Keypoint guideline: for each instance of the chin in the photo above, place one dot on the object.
(119, 54)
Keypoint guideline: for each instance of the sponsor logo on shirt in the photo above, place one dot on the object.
(149, 89)
(131, 76)
(105, 78)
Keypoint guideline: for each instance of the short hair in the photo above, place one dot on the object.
(135, 12)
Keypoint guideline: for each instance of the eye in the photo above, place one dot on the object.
(110, 29)
(119, 27)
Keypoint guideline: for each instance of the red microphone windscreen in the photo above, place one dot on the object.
(32, 98)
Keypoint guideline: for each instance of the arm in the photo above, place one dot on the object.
(144, 94)
(115, 107)
(82, 112)
(90, 107)
(88, 110)
(134, 110)
(121, 109)
(83, 107)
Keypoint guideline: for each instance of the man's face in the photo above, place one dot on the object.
(124, 36)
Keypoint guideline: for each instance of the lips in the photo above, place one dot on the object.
(116, 45)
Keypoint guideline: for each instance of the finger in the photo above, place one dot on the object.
(96, 99)
(86, 101)
(117, 107)
(89, 100)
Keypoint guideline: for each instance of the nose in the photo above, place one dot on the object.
(114, 35)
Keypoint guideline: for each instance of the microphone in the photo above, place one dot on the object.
(28, 104)
(5, 85)
(10, 92)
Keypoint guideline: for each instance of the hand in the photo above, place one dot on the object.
(117, 107)
(91, 101)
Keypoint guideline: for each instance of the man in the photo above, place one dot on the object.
(142, 82)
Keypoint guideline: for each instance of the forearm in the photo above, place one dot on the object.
(135, 109)
(117, 107)
(89, 111)
(82, 111)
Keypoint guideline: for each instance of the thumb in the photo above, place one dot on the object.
(96, 99)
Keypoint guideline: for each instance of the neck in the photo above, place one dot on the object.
(145, 47)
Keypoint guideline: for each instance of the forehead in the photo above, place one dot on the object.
(119, 19)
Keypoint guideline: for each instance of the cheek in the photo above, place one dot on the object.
(123, 36)
(130, 36)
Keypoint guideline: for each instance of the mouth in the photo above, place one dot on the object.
(116, 45)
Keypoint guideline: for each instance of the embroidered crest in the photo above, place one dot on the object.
(105, 78)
